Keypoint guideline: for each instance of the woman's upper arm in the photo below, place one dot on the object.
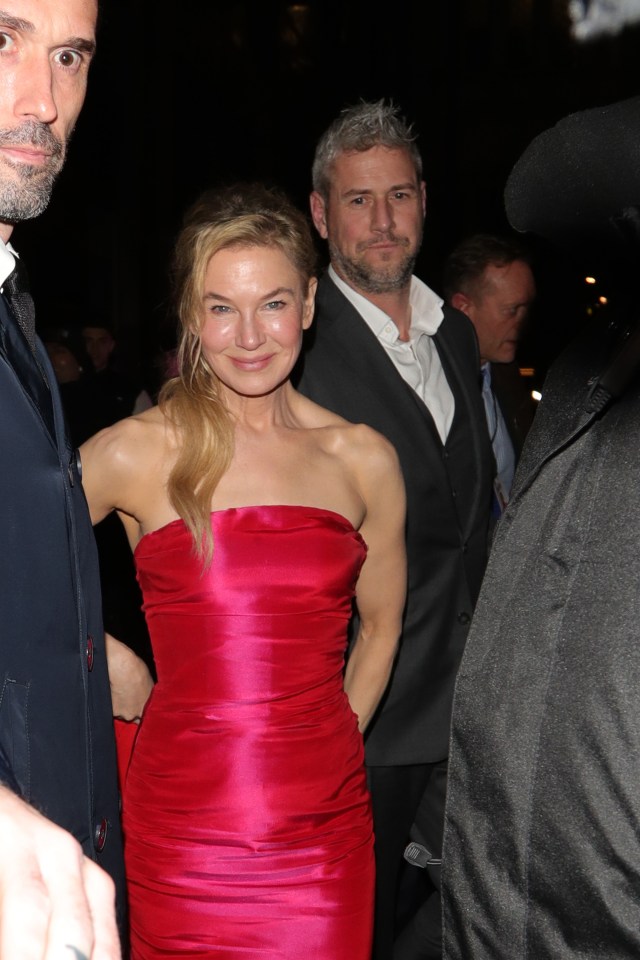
(106, 462)
(381, 589)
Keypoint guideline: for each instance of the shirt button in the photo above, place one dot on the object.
(464, 617)
(100, 837)
(89, 653)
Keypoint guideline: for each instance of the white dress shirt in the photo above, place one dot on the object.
(500, 441)
(7, 261)
(417, 359)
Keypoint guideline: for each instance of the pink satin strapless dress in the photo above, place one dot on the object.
(246, 814)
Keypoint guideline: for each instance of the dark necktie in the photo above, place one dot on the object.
(16, 290)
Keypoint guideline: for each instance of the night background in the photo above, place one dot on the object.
(184, 96)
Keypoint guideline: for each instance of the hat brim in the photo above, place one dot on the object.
(579, 182)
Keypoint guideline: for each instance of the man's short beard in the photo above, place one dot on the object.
(370, 279)
(26, 192)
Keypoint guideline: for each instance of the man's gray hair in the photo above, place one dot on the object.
(360, 128)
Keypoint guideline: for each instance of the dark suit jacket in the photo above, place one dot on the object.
(542, 848)
(448, 494)
(56, 730)
(516, 404)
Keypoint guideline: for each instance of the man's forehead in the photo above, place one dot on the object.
(69, 18)
(375, 158)
(377, 162)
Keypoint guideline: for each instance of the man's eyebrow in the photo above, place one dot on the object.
(81, 44)
(16, 23)
(395, 188)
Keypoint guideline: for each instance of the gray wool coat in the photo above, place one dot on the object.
(542, 837)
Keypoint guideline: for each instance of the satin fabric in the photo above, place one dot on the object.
(246, 814)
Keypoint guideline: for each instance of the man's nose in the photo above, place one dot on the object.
(34, 97)
(382, 215)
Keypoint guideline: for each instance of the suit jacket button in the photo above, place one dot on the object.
(89, 653)
(100, 837)
(464, 617)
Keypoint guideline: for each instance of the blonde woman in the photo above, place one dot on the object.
(256, 518)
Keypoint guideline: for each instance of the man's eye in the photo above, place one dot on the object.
(70, 59)
(357, 201)
(6, 42)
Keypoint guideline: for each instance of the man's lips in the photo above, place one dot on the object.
(383, 245)
(29, 155)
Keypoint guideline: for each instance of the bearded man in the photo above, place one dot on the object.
(59, 816)
(386, 352)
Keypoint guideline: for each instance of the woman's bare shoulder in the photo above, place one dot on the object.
(362, 444)
(130, 441)
(347, 436)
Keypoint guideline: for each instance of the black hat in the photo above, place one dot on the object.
(578, 183)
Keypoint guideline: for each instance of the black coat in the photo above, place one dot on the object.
(56, 731)
(448, 495)
(542, 845)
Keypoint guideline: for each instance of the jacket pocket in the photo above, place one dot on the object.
(14, 732)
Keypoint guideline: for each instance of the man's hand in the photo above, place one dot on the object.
(55, 904)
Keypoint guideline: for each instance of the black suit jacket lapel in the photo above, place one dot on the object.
(18, 355)
(468, 405)
(358, 340)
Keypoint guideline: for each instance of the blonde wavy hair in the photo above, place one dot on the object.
(245, 215)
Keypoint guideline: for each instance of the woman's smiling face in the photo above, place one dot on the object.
(255, 306)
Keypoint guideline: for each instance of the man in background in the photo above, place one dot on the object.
(384, 351)
(117, 395)
(489, 279)
(59, 814)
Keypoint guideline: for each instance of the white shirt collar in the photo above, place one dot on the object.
(7, 261)
(426, 309)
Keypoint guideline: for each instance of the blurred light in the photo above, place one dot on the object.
(602, 300)
(536, 395)
(589, 279)
(592, 19)
(526, 371)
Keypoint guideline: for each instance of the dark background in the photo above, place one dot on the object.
(186, 95)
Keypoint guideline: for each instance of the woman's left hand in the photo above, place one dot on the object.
(130, 679)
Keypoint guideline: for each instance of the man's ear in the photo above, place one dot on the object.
(319, 214)
(462, 303)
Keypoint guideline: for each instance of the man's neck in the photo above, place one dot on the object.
(6, 229)
(396, 304)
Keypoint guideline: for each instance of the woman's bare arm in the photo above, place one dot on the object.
(381, 588)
